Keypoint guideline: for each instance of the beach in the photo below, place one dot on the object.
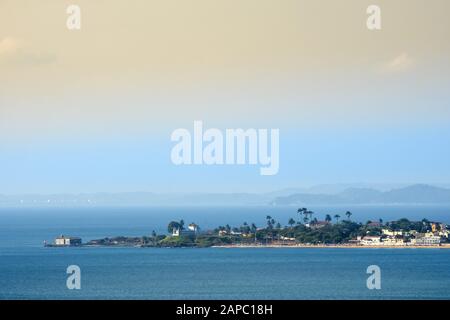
(337, 246)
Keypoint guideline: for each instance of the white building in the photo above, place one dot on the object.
(426, 241)
(371, 241)
(392, 233)
(191, 231)
(287, 238)
(67, 241)
(193, 227)
(393, 241)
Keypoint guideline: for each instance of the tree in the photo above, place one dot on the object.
(173, 225)
(270, 222)
(301, 211)
(337, 218)
(154, 235)
(348, 214)
(328, 218)
(181, 224)
(245, 228)
(291, 222)
(254, 229)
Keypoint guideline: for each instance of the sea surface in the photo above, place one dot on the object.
(30, 271)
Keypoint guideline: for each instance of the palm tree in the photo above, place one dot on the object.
(173, 225)
(328, 218)
(254, 229)
(310, 214)
(154, 237)
(348, 214)
(337, 218)
(305, 212)
(301, 211)
(291, 222)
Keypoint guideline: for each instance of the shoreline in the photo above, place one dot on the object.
(338, 246)
(266, 246)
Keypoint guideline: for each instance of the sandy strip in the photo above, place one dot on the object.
(342, 246)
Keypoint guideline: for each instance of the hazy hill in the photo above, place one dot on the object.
(415, 194)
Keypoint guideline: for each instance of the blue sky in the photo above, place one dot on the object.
(397, 155)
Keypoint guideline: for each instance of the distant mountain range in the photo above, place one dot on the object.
(330, 195)
(415, 194)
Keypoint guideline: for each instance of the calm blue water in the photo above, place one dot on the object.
(30, 271)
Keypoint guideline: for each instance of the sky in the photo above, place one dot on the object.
(93, 109)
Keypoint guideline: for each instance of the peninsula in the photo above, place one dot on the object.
(307, 231)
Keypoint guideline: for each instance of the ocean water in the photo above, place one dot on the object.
(30, 271)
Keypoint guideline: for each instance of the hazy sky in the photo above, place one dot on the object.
(92, 110)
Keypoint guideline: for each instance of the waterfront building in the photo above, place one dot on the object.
(67, 241)
(191, 231)
(371, 241)
(394, 241)
(393, 233)
(427, 240)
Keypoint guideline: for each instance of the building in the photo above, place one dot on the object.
(191, 231)
(67, 241)
(426, 241)
(287, 238)
(444, 233)
(392, 233)
(193, 227)
(412, 233)
(394, 241)
(318, 224)
(437, 226)
(374, 224)
(371, 241)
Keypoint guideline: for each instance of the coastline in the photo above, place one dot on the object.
(336, 246)
(262, 246)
